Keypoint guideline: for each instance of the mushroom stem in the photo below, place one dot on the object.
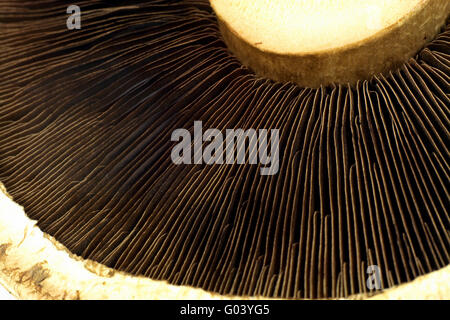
(314, 43)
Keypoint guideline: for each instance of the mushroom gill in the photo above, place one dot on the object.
(86, 118)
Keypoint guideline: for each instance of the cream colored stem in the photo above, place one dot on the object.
(319, 42)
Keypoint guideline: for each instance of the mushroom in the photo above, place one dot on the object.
(92, 205)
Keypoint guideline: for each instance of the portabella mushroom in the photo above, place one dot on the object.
(92, 205)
